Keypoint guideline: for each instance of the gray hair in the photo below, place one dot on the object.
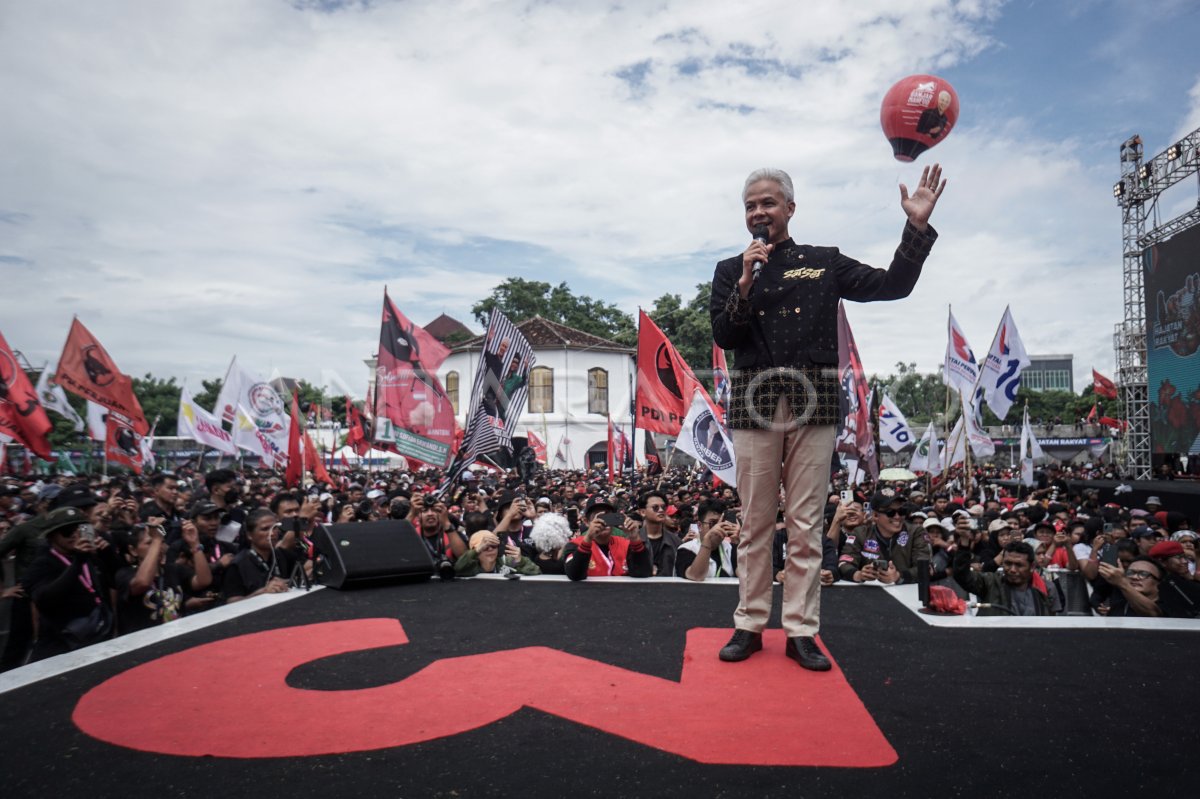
(550, 532)
(768, 173)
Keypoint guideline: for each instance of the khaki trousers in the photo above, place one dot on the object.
(799, 456)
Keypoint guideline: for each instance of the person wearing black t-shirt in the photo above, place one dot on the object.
(261, 568)
(68, 587)
(151, 592)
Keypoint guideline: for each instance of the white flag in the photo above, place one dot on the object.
(53, 398)
(961, 369)
(97, 421)
(956, 446)
(1000, 376)
(147, 445)
(894, 432)
(704, 438)
(1030, 449)
(928, 457)
(260, 401)
(248, 436)
(201, 426)
(981, 442)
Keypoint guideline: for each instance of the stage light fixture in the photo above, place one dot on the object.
(1119, 190)
(1144, 171)
(1174, 151)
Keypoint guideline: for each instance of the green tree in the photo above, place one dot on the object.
(688, 327)
(207, 397)
(521, 300)
(159, 399)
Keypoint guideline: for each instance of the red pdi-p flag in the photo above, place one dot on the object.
(537, 445)
(122, 442)
(312, 461)
(22, 417)
(1103, 386)
(294, 475)
(84, 368)
(855, 438)
(407, 390)
(665, 383)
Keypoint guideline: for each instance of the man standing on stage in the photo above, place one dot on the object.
(775, 306)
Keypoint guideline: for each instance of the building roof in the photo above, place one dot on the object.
(541, 333)
(445, 326)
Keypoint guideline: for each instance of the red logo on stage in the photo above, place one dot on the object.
(764, 712)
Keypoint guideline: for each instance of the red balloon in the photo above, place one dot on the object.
(917, 113)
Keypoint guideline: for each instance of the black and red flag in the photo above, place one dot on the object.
(122, 442)
(412, 412)
(356, 438)
(665, 383)
(294, 475)
(22, 417)
(85, 368)
(1103, 386)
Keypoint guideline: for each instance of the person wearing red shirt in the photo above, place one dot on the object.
(597, 553)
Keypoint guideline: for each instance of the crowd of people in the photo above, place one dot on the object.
(98, 557)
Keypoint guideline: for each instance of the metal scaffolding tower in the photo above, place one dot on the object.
(1137, 192)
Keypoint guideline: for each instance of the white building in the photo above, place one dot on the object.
(578, 381)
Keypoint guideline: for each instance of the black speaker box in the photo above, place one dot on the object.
(370, 553)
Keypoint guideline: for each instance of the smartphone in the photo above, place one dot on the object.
(1109, 555)
(866, 507)
(614, 520)
(731, 516)
(573, 518)
(847, 496)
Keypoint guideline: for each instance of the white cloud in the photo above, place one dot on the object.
(208, 178)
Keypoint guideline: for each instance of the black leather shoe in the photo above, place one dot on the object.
(742, 645)
(804, 650)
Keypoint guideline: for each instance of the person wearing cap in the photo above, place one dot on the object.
(223, 492)
(1187, 539)
(1179, 594)
(513, 520)
(1153, 505)
(886, 552)
(24, 540)
(598, 553)
(550, 535)
(206, 516)
(67, 587)
(483, 557)
(1145, 538)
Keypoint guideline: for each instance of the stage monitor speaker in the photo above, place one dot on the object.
(370, 553)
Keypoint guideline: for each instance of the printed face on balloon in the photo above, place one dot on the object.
(766, 205)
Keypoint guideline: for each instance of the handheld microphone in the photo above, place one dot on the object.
(760, 234)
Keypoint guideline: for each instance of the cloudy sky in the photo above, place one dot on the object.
(199, 179)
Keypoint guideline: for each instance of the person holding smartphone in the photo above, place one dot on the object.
(598, 553)
(714, 552)
(887, 552)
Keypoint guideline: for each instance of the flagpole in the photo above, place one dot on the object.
(967, 462)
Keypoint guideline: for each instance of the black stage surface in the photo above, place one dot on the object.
(551, 689)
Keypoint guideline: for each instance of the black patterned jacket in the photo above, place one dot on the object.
(784, 335)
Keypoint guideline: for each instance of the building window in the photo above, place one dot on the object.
(452, 390)
(598, 391)
(541, 390)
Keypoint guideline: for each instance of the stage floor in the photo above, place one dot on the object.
(542, 687)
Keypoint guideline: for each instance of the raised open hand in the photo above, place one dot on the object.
(920, 205)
